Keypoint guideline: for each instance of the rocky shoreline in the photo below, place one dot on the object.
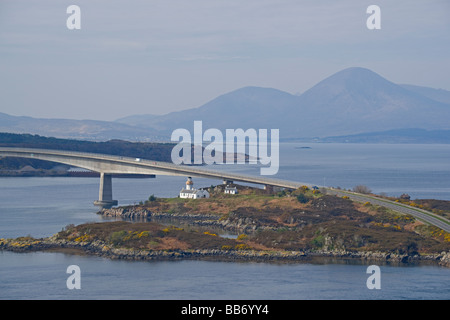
(248, 225)
(102, 249)
(231, 223)
(227, 222)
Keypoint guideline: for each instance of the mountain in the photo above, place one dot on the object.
(352, 101)
(357, 100)
(440, 95)
(248, 107)
(76, 129)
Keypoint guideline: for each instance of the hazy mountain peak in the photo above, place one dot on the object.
(352, 101)
(358, 100)
(354, 71)
(354, 79)
(253, 92)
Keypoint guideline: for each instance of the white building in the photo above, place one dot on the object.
(230, 190)
(191, 193)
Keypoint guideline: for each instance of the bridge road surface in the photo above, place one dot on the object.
(420, 214)
(116, 164)
(110, 164)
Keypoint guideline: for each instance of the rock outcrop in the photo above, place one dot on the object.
(100, 248)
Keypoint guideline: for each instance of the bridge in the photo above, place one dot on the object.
(107, 165)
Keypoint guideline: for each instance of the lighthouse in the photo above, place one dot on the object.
(190, 193)
(189, 184)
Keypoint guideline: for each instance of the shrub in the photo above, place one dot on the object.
(362, 189)
(83, 238)
(143, 234)
(118, 237)
(241, 237)
(405, 196)
(242, 246)
(68, 227)
(302, 198)
(281, 193)
(318, 241)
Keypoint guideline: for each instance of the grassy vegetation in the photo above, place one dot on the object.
(425, 206)
(439, 207)
(147, 235)
(333, 223)
(302, 219)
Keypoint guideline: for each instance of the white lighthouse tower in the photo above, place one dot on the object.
(189, 184)
(190, 193)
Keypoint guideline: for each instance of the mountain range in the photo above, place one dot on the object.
(352, 102)
(77, 129)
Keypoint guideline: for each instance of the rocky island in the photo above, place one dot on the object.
(254, 225)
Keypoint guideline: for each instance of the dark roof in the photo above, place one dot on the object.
(188, 191)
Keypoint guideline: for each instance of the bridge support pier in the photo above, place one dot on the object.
(105, 199)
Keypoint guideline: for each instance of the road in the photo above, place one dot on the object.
(423, 215)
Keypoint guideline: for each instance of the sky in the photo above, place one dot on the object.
(158, 56)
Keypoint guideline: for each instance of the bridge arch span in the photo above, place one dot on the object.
(107, 165)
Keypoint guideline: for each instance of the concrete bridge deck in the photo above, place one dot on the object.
(107, 165)
(110, 164)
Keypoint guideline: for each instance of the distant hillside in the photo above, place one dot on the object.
(440, 95)
(76, 129)
(145, 150)
(395, 136)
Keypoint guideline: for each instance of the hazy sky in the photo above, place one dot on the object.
(157, 56)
